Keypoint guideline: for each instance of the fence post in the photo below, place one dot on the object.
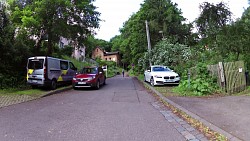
(222, 75)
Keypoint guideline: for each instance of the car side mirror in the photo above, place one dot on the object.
(148, 71)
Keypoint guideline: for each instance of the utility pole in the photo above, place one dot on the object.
(149, 44)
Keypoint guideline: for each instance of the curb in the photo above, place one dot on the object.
(9, 100)
(56, 91)
(195, 116)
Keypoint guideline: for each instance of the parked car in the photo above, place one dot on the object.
(48, 72)
(89, 77)
(161, 75)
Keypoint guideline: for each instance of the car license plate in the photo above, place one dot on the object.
(81, 82)
(169, 80)
(34, 81)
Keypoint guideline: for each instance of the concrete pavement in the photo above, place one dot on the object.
(227, 115)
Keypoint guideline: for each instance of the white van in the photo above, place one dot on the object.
(48, 72)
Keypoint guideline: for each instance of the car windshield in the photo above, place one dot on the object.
(89, 70)
(161, 69)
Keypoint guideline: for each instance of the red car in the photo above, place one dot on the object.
(89, 77)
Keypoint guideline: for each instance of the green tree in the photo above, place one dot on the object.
(162, 15)
(175, 55)
(91, 43)
(211, 20)
(48, 19)
(13, 51)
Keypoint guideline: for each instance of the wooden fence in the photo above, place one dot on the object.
(231, 76)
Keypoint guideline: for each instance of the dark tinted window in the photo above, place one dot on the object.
(64, 65)
(71, 65)
(89, 70)
(160, 69)
(35, 64)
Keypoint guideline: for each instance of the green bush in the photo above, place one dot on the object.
(200, 84)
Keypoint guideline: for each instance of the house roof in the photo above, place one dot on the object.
(111, 53)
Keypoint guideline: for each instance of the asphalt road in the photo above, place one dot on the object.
(119, 111)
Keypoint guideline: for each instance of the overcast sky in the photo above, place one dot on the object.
(115, 12)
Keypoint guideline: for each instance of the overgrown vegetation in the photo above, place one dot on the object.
(200, 84)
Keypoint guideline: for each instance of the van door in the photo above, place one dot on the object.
(72, 71)
(35, 71)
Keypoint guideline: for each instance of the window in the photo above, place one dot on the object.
(160, 69)
(64, 65)
(71, 65)
(61, 45)
(35, 64)
(89, 71)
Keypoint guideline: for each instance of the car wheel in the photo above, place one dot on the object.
(53, 84)
(97, 85)
(152, 82)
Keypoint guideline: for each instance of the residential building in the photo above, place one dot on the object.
(79, 51)
(108, 56)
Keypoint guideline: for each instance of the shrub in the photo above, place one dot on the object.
(199, 84)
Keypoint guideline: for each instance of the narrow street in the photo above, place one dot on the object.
(121, 110)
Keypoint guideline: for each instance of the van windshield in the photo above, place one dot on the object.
(35, 63)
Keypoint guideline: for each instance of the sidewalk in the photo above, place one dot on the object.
(7, 100)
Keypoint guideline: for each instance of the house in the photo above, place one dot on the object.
(108, 56)
(78, 53)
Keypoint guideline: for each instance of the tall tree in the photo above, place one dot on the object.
(73, 19)
(212, 19)
(162, 15)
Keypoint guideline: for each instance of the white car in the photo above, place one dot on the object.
(161, 75)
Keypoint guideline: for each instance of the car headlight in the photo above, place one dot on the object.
(74, 78)
(91, 78)
(157, 76)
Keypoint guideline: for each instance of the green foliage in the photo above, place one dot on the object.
(165, 53)
(47, 18)
(212, 18)
(78, 64)
(161, 15)
(65, 51)
(91, 43)
(200, 84)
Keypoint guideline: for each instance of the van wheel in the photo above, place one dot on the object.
(97, 85)
(53, 84)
